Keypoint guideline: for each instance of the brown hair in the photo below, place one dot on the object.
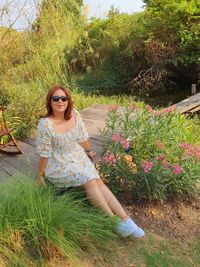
(68, 111)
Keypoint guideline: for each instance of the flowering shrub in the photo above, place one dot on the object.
(152, 154)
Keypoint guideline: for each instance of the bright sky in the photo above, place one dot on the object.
(99, 8)
(27, 10)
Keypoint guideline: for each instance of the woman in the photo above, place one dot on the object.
(66, 157)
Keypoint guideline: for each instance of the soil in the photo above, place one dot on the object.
(175, 221)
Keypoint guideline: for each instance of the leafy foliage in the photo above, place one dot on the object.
(177, 23)
(153, 154)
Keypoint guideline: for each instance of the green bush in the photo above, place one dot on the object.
(163, 144)
(36, 224)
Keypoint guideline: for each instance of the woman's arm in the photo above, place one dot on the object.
(41, 168)
(44, 148)
(83, 138)
(87, 147)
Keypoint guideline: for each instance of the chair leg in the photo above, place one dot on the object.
(15, 143)
(12, 142)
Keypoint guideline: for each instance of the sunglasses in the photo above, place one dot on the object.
(56, 98)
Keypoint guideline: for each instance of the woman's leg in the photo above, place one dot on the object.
(98, 193)
(112, 201)
(95, 195)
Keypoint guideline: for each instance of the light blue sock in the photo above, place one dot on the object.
(137, 231)
(123, 229)
(128, 227)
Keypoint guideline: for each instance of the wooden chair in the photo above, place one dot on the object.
(8, 143)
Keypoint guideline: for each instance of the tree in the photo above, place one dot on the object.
(48, 10)
(113, 11)
(177, 23)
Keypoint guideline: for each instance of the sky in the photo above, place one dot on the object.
(99, 8)
(26, 10)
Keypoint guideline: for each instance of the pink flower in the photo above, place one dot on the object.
(159, 144)
(157, 113)
(160, 157)
(147, 166)
(112, 108)
(184, 145)
(173, 108)
(132, 106)
(116, 138)
(191, 150)
(149, 108)
(196, 152)
(125, 144)
(165, 164)
(109, 158)
(177, 169)
(169, 109)
(164, 111)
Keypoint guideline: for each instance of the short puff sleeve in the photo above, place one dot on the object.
(82, 132)
(44, 139)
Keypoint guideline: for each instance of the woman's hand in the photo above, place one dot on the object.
(91, 154)
(40, 181)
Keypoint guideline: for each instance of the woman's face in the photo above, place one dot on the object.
(59, 101)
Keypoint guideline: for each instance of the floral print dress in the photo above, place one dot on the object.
(68, 165)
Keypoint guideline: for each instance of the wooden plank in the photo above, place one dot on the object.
(192, 99)
(28, 140)
(195, 109)
(3, 175)
(188, 107)
(30, 156)
(22, 163)
(28, 148)
(8, 168)
(94, 114)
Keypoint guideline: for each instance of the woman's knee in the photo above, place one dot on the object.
(100, 182)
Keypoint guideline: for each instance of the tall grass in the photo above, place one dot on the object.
(36, 224)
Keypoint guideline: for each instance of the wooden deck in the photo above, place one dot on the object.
(189, 105)
(93, 117)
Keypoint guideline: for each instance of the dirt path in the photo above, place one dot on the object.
(173, 221)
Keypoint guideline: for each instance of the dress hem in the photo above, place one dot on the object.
(71, 185)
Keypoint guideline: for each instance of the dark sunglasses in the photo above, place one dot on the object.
(56, 98)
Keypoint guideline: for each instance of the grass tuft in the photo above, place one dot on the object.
(36, 224)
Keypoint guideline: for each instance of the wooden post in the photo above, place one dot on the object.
(193, 89)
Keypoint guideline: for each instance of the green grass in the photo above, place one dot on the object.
(37, 224)
(82, 100)
(154, 251)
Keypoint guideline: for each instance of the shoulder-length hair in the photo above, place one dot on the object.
(68, 111)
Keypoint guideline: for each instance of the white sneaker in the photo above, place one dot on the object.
(137, 231)
(129, 227)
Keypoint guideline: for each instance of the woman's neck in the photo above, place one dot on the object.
(58, 116)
